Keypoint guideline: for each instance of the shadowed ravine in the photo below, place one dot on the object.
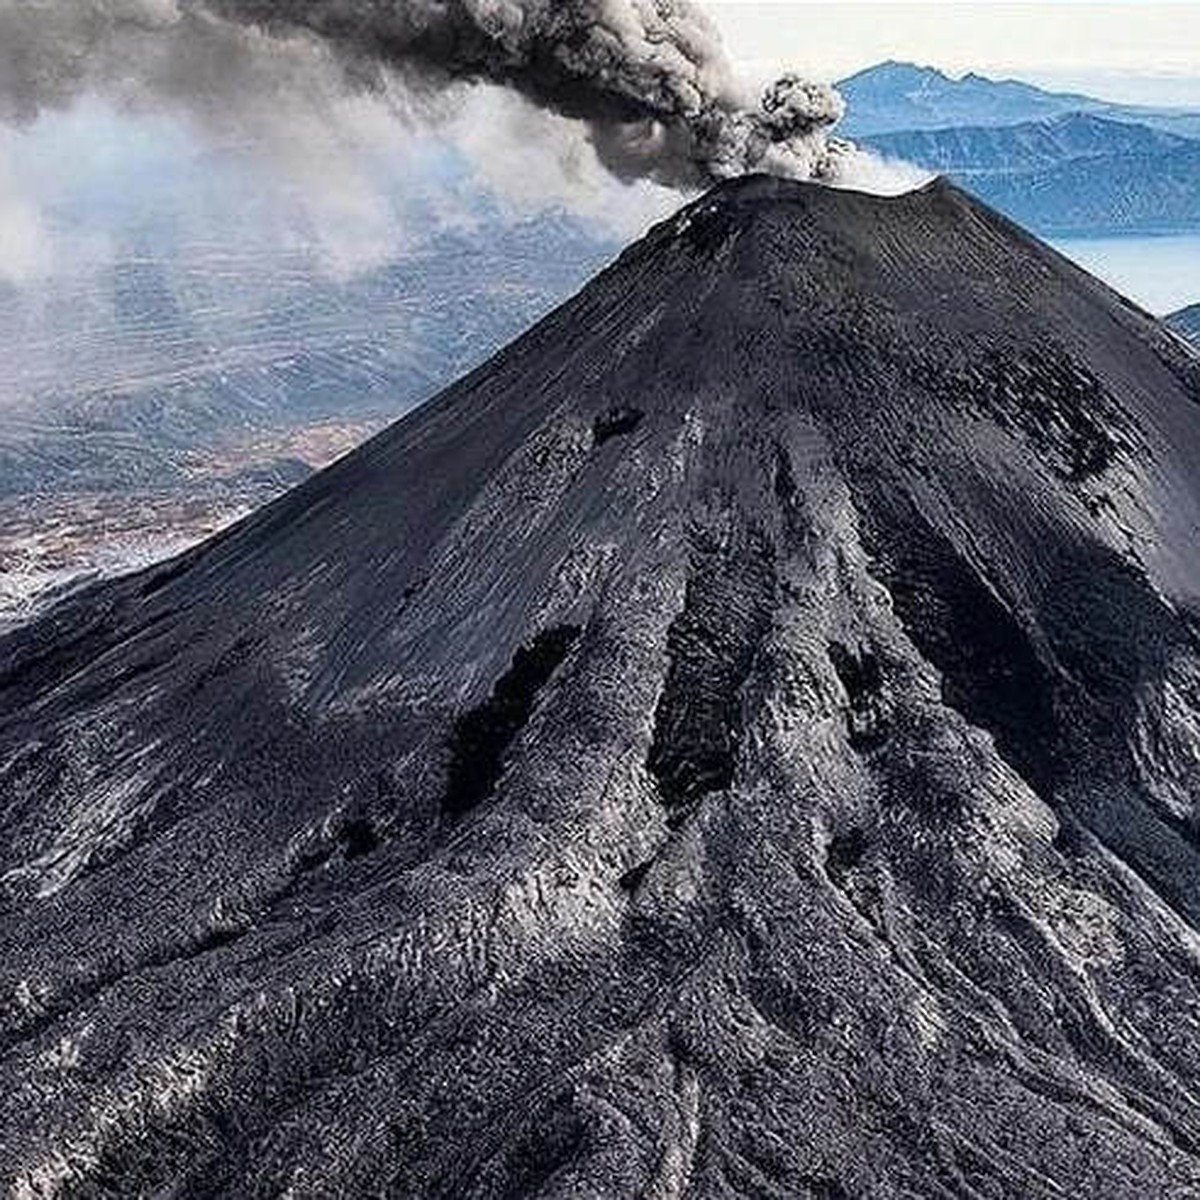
(744, 740)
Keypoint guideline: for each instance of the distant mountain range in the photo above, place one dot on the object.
(974, 151)
(1077, 174)
(1187, 322)
(1062, 164)
(895, 96)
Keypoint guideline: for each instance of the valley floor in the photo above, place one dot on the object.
(53, 542)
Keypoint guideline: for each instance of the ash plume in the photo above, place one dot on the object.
(648, 80)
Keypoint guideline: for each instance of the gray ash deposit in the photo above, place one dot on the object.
(744, 740)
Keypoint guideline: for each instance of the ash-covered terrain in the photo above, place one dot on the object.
(744, 740)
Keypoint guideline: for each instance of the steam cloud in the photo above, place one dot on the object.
(647, 79)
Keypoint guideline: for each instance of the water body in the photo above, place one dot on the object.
(1160, 273)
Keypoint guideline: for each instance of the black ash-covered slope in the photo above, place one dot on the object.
(742, 741)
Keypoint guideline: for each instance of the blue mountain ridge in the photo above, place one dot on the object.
(894, 96)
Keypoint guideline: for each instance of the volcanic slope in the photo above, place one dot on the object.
(742, 741)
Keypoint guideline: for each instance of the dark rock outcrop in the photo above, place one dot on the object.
(1187, 322)
(742, 741)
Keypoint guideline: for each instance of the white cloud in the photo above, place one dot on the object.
(25, 245)
(863, 172)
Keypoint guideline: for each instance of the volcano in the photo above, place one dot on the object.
(744, 740)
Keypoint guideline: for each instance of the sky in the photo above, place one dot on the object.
(1137, 51)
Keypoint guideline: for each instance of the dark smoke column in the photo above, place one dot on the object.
(649, 79)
